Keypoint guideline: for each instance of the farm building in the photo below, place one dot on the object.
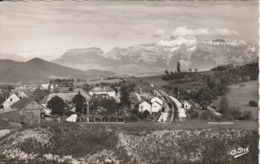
(30, 111)
(145, 106)
(103, 91)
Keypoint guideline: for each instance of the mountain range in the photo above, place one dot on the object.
(40, 71)
(154, 58)
(138, 60)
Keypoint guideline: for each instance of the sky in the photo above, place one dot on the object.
(49, 29)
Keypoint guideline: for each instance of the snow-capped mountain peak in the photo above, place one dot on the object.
(238, 43)
(188, 41)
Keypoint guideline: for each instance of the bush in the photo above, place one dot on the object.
(252, 103)
(236, 113)
(132, 118)
(247, 115)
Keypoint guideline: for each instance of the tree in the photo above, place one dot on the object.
(176, 91)
(190, 69)
(167, 72)
(224, 106)
(56, 104)
(108, 103)
(80, 103)
(87, 87)
(93, 104)
(146, 114)
(70, 88)
(196, 69)
(252, 103)
(178, 66)
(125, 98)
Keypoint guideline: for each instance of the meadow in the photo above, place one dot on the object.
(241, 94)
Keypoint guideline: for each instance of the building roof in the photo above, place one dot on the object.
(145, 102)
(102, 89)
(17, 94)
(21, 103)
(157, 103)
(158, 100)
(65, 96)
(27, 92)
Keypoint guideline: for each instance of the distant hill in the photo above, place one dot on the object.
(85, 59)
(38, 70)
(151, 59)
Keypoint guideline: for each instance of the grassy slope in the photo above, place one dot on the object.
(240, 96)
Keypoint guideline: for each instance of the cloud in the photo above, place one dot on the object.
(159, 33)
(183, 30)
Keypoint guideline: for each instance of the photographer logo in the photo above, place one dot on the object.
(239, 152)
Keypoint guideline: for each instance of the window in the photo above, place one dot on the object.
(11, 99)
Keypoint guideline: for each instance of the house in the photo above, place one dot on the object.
(145, 106)
(157, 99)
(104, 91)
(13, 98)
(45, 86)
(187, 105)
(182, 115)
(16, 95)
(156, 107)
(30, 111)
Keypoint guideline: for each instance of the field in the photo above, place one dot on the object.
(94, 82)
(192, 142)
(155, 80)
(241, 95)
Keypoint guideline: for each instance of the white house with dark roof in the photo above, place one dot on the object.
(157, 99)
(13, 98)
(103, 91)
(157, 104)
(156, 107)
(145, 106)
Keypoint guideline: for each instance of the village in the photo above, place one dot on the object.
(101, 103)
